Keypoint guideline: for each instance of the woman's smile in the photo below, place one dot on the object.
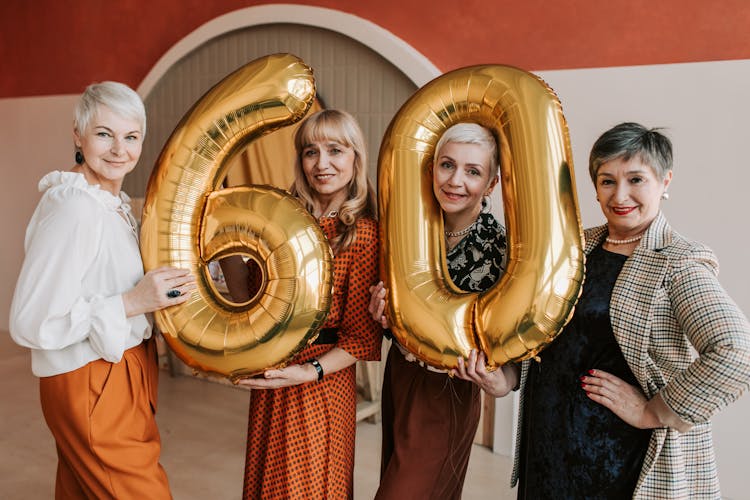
(623, 210)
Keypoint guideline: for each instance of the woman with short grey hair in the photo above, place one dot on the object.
(620, 404)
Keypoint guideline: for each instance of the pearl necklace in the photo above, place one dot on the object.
(613, 241)
(453, 234)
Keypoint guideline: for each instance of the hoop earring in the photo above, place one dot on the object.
(79, 157)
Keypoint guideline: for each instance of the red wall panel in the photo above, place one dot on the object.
(48, 47)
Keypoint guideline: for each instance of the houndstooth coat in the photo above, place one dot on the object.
(687, 343)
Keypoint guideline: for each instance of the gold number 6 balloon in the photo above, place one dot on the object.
(189, 221)
(534, 299)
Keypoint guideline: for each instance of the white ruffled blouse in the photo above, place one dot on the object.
(81, 255)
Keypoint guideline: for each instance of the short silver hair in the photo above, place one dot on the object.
(118, 97)
(632, 140)
(471, 133)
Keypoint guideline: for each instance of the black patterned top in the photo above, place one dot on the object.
(478, 260)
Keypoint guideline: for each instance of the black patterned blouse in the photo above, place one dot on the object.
(478, 260)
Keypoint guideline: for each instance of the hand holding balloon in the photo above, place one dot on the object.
(497, 383)
(332, 361)
(376, 308)
(283, 377)
(159, 288)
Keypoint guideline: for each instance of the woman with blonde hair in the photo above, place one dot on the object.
(303, 417)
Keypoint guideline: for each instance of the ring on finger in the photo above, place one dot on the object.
(173, 293)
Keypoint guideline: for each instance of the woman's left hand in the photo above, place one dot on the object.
(624, 400)
(283, 377)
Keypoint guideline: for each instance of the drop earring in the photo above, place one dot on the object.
(79, 157)
(665, 196)
(486, 204)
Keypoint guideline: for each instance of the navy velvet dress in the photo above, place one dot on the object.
(572, 447)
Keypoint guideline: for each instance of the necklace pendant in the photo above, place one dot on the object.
(330, 214)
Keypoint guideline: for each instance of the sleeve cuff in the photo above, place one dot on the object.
(109, 327)
(360, 351)
(667, 417)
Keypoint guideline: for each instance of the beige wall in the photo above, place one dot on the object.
(36, 137)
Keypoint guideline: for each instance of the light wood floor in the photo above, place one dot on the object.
(203, 434)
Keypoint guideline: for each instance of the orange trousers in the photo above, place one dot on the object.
(102, 418)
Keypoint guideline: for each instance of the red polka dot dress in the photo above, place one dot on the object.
(300, 442)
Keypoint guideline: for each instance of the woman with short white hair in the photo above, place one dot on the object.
(81, 305)
(430, 418)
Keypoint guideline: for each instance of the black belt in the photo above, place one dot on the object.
(327, 336)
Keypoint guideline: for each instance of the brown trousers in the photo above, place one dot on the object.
(429, 422)
(102, 418)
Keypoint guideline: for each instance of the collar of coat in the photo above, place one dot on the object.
(658, 235)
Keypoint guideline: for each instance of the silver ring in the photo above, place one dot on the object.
(173, 293)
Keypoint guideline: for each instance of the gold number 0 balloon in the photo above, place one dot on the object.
(528, 307)
(188, 222)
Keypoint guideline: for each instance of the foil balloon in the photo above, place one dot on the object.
(189, 221)
(530, 304)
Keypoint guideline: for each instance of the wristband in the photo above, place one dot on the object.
(318, 368)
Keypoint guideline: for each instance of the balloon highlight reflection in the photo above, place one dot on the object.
(535, 298)
(189, 221)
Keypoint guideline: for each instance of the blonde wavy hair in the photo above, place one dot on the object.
(338, 126)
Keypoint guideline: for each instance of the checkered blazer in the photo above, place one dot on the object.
(687, 343)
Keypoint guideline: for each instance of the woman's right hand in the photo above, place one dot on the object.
(377, 304)
(497, 383)
(150, 294)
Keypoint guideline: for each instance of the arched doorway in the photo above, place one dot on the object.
(348, 74)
